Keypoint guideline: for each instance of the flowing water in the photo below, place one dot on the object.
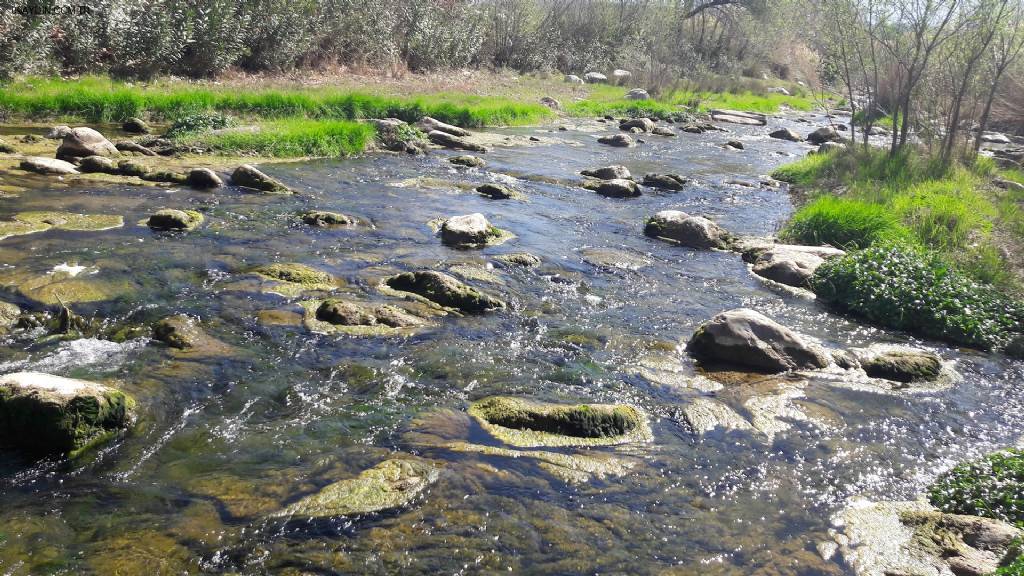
(225, 440)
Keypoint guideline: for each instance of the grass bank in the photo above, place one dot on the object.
(931, 245)
(603, 100)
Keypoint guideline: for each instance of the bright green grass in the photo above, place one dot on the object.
(844, 223)
(605, 99)
(102, 100)
(294, 137)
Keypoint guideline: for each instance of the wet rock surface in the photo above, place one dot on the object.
(687, 230)
(248, 176)
(744, 337)
(524, 423)
(442, 289)
(172, 219)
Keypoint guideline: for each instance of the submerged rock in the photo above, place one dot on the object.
(617, 140)
(468, 161)
(615, 188)
(706, 414)
(449, 141)
(305, 276)
(82, 142)
(744, 337)
(428, 125)
(203, 178)
(391, 484)
(42, 165)
(248, 176)
(9, 314)
(524, 259)
(325, 218)
(31, 222)
(614, 172)
(347, 313)
(525, 423)
(135, 126)
(171, 219)
(46, 414)
(890, 538)
(687, 230)
(664, 181)
(903, 366)
(184, 333)
(444, 290)
(470, 231)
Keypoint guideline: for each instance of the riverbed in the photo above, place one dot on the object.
(226, 440)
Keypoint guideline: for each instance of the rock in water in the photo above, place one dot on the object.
(46, 414)
(526, 423)
(615, 188)
(495, 191)
(100, 164)
(664, 181)
(390, 484)
(171, 219)
(468, 161)
(203, 178)
(617, 140)
(663, 131)
(468, 230)
(428, 125)
(686, 230)
(445, 290)
(608, 173)
(822, 135)
(744, 337)
(47, 166)
(786, 134)
(735, 144)
(346, 313)
(135, 126)
(737, 117)
(248, 176)
(81, 142)
(449, 141)
(903, 366)
(325, 218)
(643, 124)
(791, 265)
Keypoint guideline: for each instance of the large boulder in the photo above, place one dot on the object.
(445, 290)
(595, 78)
(643, 124)
(247, 176)
(428, 125)
(391, 484)
(823, 134)
(615, 188)
(468, 230)
(42, 165)
(791, 265)
(617, 140)
(203, 178)
(686, 230)
(906, 366)
(786, 134)
(608, 172)
(450, 141)
(46, 414)
(81, 142)
(744, 337)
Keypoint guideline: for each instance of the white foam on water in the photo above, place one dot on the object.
(69, 269)
(81, 352)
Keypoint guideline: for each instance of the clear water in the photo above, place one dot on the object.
(224, 441)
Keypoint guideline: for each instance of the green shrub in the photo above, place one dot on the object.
(992, 487)
(848, 224)
(909, 289)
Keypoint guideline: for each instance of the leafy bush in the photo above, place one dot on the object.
(201, 122)
(844, 223)
(992, 487)
(908, 289)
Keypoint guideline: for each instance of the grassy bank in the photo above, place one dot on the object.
(930, 245)
(602, 99)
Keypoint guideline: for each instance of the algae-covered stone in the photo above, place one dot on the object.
(39, 221)
(525, 423)
(445, 290)
(6, 147)
(571, 468)
(524, 259)
(325, 218)
(903, 366)
(496, 191)
(141, 552)
(47, 414)
(178, 332)
(58, 287)
(295, 274)
(471, 231)
(171, 219)
(339, 316)
(468, 161)
(101, 164)
(391, 484)
(9, 314)
(247, 176)
(203, 178)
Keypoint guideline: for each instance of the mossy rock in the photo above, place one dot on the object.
(296, 278)
(903, 366)
(324, 218)
(337, 316)
(524, 423)
(39, 221)
(55, 288)
(444, 290)
(142, 552)
(177, 220)
(524, 259)
(570, 468)
(391, 484)
(45, 414)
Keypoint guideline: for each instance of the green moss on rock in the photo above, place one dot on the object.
(444, 290)
(909, 366)
(46, 414)
(38, 221)
(524, 423)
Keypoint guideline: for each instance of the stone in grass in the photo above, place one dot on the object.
(746, 338)
(470, 231)
(686, 230)
(903, 366)
(495, 191)
(46, 414)
(391, 484)
(248, 176)
(171, 219)
(6, 148)
(203, 178)
(526, 423)
(444, 290)
(468, 161)
(323, 218)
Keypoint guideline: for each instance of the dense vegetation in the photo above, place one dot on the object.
(992, 486)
